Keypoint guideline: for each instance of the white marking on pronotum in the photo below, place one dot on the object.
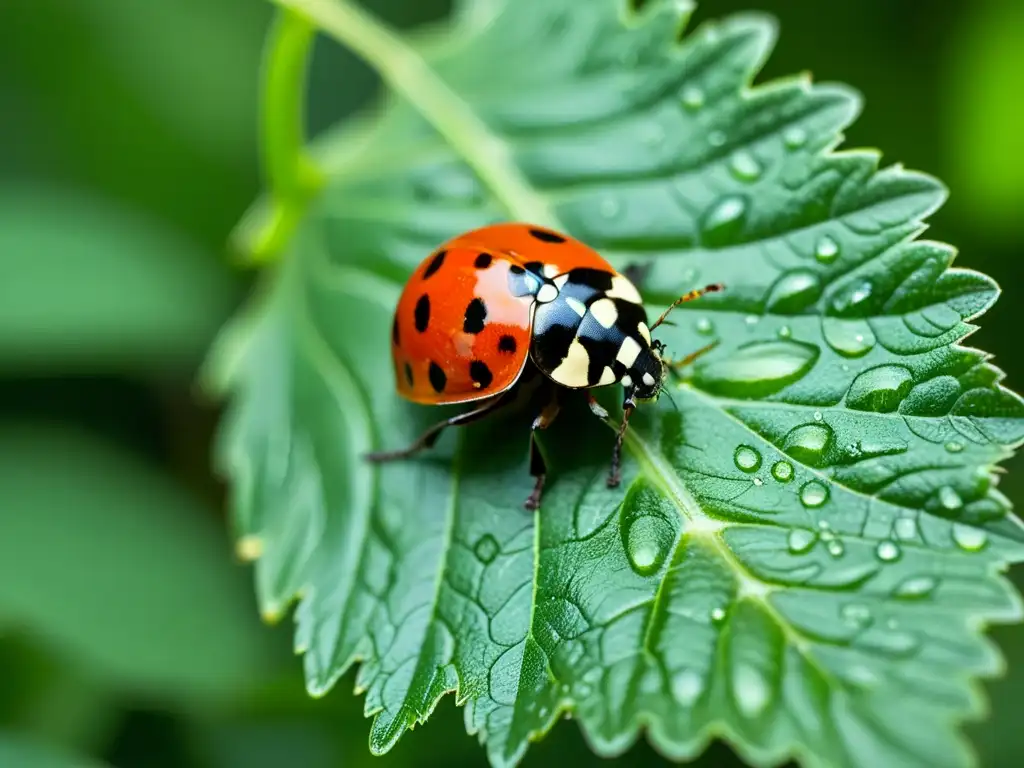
(572, 371)
(531, 282)
(628, 352)
(561, 280)
(645, 332)
(604, 312)
(576, 306)
(550, 270)
(648, 380)
(607, 377)
(623, 289)
(547, 293)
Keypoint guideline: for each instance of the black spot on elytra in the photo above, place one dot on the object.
(507, 344)
(435, 264)
(481, 374)
(437, 378)
(422, 313)
(483, 261)
(547, 237)
(408, 374)
(550, 347)
(394, 331)
(537, 267)
(476, 313)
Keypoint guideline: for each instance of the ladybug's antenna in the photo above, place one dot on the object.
(713, 288)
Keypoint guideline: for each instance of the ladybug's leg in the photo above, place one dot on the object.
(430, 436)
(538, 467)
(615, 473)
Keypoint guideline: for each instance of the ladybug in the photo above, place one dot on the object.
(494, 307)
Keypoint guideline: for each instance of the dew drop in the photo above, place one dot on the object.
(750, 690)
(647, 542)
(827, 535)
(716, 138)
(801, 540)
(835, 548)
(610, 207)
(782, 471)
(880, 389)
(693, 98)
(887, 551)
(751, 319)
(809, 443)
(852, 296)
(824, 525)
(905, 528)
(850, 338)
(794, 291)
(950, 499)
(705, 326)
(718, 615)
(687, 686)
(813, 494)
(916, 587)
(827, 250)
(969, 538)
(785, 332)
(486, 548)
(757, 481)
(747, 458)
(757, 369)
(954, 447)
(744, 166)
(857, 614)
(724, 219)
(817, 416)
(794, 137)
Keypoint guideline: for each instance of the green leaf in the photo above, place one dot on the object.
(15, 750)
(809, 536)
(90, 284)
(113, 566)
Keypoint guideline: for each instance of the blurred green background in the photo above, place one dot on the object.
(128, 633)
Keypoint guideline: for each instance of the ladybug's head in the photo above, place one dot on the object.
(645, 378)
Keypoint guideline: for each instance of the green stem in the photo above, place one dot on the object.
(290, 174)
(402, 68)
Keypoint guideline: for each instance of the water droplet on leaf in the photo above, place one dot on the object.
(852, 296)
(794, 137)
(857, 614)
(610, 207)
(486, 548)
(648, 540)
(827, 250)
(744, 166)
(835, 548)
(756, 369)
(705, 326)
(747, 458)
(949, 499)
(716, 138)
(785, 332)
(718, 615)
(809, 443)
(880, 389)
(693, 98)
(794, 291)
(782, 471)
(850, 338)
(905, 528)
(954, 447)
(916, 587)
(687, 686)
(750, 690)
(969, 538)
(887, 551)
(724, 219)
(801, 540)
(813, 494)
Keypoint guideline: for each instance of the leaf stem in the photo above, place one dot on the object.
(289, 172)
(404, 70)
